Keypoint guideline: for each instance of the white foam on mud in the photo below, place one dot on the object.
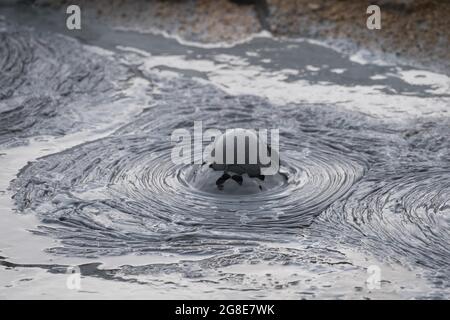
(439, 82)
(134, 50)
(378, 77)
(197, 44)
(338, 70)
(236, 76)
(312, 68)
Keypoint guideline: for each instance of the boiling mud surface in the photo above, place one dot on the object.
(88, 180)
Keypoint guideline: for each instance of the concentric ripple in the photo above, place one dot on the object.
(124, 193)
(375, 185)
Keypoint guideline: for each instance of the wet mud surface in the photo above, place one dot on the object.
(363, 146)
(51, 85)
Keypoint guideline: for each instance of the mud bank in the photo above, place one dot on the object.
(413, 30)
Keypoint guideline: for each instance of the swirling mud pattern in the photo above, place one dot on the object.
(51, 85)
(348, 179)
(125, 193)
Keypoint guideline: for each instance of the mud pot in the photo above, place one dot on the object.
(87, 179)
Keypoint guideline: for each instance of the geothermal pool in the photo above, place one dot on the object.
(87, 181)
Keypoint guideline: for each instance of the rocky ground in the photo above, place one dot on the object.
(416, 30)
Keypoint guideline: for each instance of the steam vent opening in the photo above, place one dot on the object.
(239, 165)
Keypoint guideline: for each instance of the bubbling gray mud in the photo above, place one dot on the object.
(124, 193)
(378, 185)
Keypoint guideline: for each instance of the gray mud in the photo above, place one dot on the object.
(379, 186)
(50, 85)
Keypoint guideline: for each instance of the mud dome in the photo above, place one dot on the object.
(378, 185)
(124, 193)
